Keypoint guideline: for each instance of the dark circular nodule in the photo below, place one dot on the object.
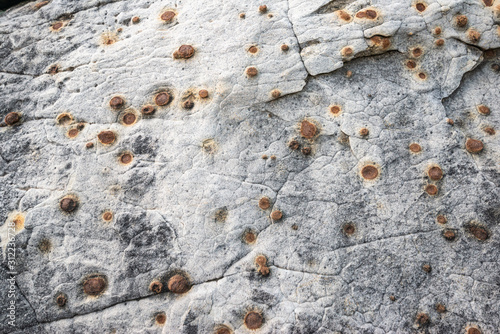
(188, 104)
(161, 318)
(178, 284)
(431, 189)
(285, 47)
(474, 145)
(203, 93)
(253, 320)
(294, 145)
(264, 203)
(307, 129)
(420, 7)
(148, 110)
(479, 232)
(306, 151)
(155, 287)
(168, 16)
(12, 118)
(251, 71)
(411, 64)
(61, 300)
(369, 172)
(184, 52)
(223, 330)
(427, 268)
(136, 19)
(129, 118)
(461, 20)
(435, 173)
(349, 229)
(94, 286)
(116, 102)
(449, 235)
(68, 204)
(106, 137)
(107, 216)
(162, 99)
(126, 158)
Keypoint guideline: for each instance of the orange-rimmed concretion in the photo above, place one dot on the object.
(369, 172)
(95, 285)
(474, 145)
(253, 320)
(106, 137)
(178, 284)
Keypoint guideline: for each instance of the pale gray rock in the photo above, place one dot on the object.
(376, 234)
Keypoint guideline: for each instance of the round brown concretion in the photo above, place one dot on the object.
(440, 308)
(441, 219)
(482, 109)
(479, 232)
(276, 215)
(307, 129)
(474, 145)
(261, 260)
(349, 229)
(148, 110)
(415, 148)
(167, 16)
(126, 158)
(106, 137)
(12, 118)
(420, 7)
(251, 71)
(162, 99)
(253, 49)
(61, 300)
(422, 318)
(107, 216)
(335, 110)
(223, 330)
(116, 102)
(473, 330)
(94, 286)
(57, 25)
(161, 318)
(184, 52)
(129, 118)
(435, 173)
(178, 284)
(411, 64)
(253, 320)
(284, 47)
(369, 172)
(155, 287)
(73, 133)
(461, 20)
(203, 93)
(250, 237)
(263, 8)
(306, 150)
(449, 235)
(294, 145)
(364, 132)
(264, 203)
(431, 189)
(422, 75)
(275, 93)
(371, 14)
(68, 204)
(136, 19)
(417, 52)
(427, 268)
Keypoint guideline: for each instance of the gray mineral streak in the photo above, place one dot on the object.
(374, 136)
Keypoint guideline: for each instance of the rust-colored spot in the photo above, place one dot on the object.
(348, 74)
(242, 15)
(437, 31)
(449, 235)
(61, 300)
(89, 145)
(94, 285)
(422, 75)
(450, 121)
(107, 216)
(126, 158)
(344, 15)
(155, 286)
(335, 110)
(273, 157)
(276, 215)
(12, 118)
(441, 219)
(495, 67)
(431, 189)
(349, 229)
(148, 109)
(473, 35)
(474, 145)
(264, 156)
(361, 15)
(203, 93)
(44, 245)
(435, 173)
(440, 42)
(184, 52)
(253, 49)
(162, 99)
(478, 231)
(347, 51)
(251, 72)
(221, 215)
(109, 38)
(56, 26)
(420, 6)
(489, 130)
(136, 20)
(263, 9)
(294, 145)
(178, 284)
(369, 172)
(209, 146)
(275, 93)
(427, 268)
(160, 318)
(415, 148)
(253, 320)
(371, 14)
(306, 150)
(411, 64)
(307, 129)
(41, 4)
(53, 69)
(461, 20)
(167, 16)
(264, 203)
(295, 227)
(392, 298)
(284, 47)
(116, 102)
(188, 104)
(223, 330)
(250, 237)
(129, 118)
(473, 330)
(364, 132)
(261, 262)
(68, 204)
(416, 52)
(422, 319)
(484, 110)
(440, 308)
(64, 119)
(488, 3)
(72, 133)
(18, 222)
(106, 137)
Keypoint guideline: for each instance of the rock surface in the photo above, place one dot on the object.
(224, 166)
